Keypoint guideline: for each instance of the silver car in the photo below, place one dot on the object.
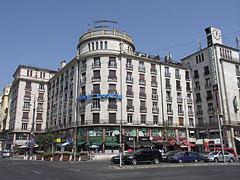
(216, 156)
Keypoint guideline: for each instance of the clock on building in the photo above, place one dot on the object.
(216, 34)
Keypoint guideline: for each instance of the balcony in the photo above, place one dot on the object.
(129, 79)
(95, 107)
(96, 91)
(179, 88)
(178, 76)
(154, 97)
(142, 82)
(153, 71)
(187, 78)
(169, 112)
(27, 98)
(188, 89)
(112, 91)
(209, 97)
(211, 111)
(190, 113)
(198, 100)
(142, 95)
(84, 67)
(199, 112)
(155, 110)
(83, 80)
(96, 65)
(154, 83)
(169, 98)
(40, 99)
(207, 86)
(112, 64)
(168, 86)
(112, 78)
(130, 108)
(206, 73)
(141, 68)
(26, 108)
(180, 113)
(143, 109)
(112, 107)
(189, 101)
(40, 109)
(96, 78)
(129, 93)
(197, 88)
(129, 67)
(196, 76)
(29, 88)
(179, 100)
(167, 74)
(238, 72)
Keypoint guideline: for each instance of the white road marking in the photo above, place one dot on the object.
(37, 172)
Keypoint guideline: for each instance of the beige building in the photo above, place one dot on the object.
(28, 97)
(216, 82)
(108, 83)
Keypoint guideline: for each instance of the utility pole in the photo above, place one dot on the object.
(120, 127)
(32, 132)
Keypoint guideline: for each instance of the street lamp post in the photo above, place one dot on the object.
(186, 123)
(32, 132)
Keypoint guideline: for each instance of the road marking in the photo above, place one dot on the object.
(75, 170)
(37, 172)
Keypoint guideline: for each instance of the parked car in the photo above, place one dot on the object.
(216, 156)
(225, 149)
(116, 159)
(143, 155)
(6, 153)
(166, 157)
(185, 157)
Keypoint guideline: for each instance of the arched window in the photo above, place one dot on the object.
(92, 45)
(101, 45)
(89, 47)
(105, 44)
(31, 73)
(96, 45)
(27, 72)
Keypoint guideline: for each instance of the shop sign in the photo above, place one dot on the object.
(100, 96)
(58, 140)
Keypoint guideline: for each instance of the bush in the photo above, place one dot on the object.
(57, 153)
(83, 152)
(48, 154)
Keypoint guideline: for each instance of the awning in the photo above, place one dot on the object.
(111, 144)
(65, 144)
(130, 143)
(94, 143)
(80, 143)
(199, 142)
(237, 138)
(146, 143)
(184, 144)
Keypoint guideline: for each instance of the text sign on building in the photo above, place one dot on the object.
(212, 65)
(100, 96)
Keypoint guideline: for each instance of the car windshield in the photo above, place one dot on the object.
(214, 153)
(128, 153)
(179, 154)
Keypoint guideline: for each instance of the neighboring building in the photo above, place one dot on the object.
(4, 116)
(216, 82)
(108, 83)
(28, 93)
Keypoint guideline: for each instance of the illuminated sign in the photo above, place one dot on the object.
(100, 96)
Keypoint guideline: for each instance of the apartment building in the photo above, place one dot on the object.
(216, 83)
(109, 84)
(27, 104)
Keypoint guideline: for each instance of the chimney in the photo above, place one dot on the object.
(168, 58)
(63, 63)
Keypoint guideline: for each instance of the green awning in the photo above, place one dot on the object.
(111, 144)
(80, 143)
(94, 143)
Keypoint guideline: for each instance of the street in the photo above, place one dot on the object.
(12, 169)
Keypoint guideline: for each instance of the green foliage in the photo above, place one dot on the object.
(48, 154)
(44, 141)
(168, 132)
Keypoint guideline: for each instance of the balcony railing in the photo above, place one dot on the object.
(178, 76)
(169, 111)
(189, 101)
(143, 108)
(208, 85)
(155, 110)
(96, 78)
(130, 108)
(179, 88)
(143, 95)
(167, 74)
(26, 108)
(169, 98)
(28, 98)
(153, 71)
(96, 65)
(112, 78)
(129, 93)
(142, 82)
(141, 68)
(112, 64)
(168, 86)
(179, 100)
(129, 66)
(112, 91)
(129, 79)
(154, 96)
(154, 83)
(95, 107)
(209, 98)
(84, 67)
(112, 106)
(40, 99)
(96, 91)
(199, 112)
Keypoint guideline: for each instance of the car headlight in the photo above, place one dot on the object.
(130, 157)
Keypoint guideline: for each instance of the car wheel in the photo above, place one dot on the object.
(231, 160)
(156, 161)
(180, 160)
(195, 160)
(134, 162)
(216, 160)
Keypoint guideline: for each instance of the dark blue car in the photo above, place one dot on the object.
(186, 157)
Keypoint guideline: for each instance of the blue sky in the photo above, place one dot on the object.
(44, 32)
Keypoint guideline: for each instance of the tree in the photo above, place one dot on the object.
(168, 134)
(44, 141)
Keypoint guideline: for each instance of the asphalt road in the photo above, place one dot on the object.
(12, 169)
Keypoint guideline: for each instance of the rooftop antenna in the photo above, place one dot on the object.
(104, 23)
(237, 41)
(199, 44)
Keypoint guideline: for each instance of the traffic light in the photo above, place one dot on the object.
(117, 138)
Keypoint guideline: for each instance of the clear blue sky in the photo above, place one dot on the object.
(44, 32)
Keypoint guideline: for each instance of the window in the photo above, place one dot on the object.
(167, 73)
(153, 68)
(82, 119)
(187, 75)
(112, 118)
(27, 72)
(97, 61)
(129, 76)
(25, 115)
(210, 107)
(96, 74)
(92, 45)
(178, 85)
(180, 119)
(198, 97)
(95, 118)
(155, 120)
(38, 127)
(41, 86)
(180, 110)
(28, 85)
(191, 122)
(129, 104)
(196, 74)
(112, 75)
(97, 45)
(170, 121)
(196, 59)
(112, 89)
(26, 105)
(169, 96)
(96, 88)
(168, 85)
(101, 45)
(106, 44)
(197, 85)
(112, 62)
(206, 70)
(24, 126)
(188, 88)
(129, 118)
(89, 48)
(39, 116)
(169, 108)
(202, 57)
(143, 119)
(238, 81)
(27, 94)
(31, 73)
(177, 73)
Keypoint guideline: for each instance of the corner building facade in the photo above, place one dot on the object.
(108, 83)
